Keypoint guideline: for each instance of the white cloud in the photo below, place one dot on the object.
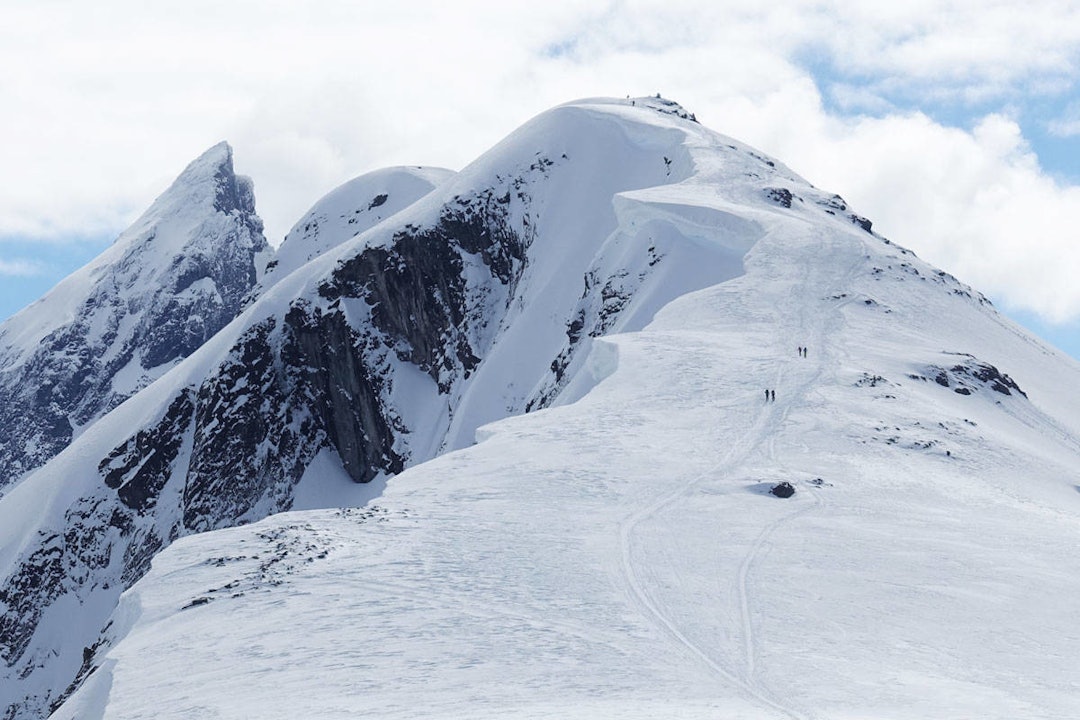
(113, 100)
(1065, 127)
(973, 47)
(19, 268)
(974, 202)
(1067, 124)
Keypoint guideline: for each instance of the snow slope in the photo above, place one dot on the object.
(620, 556)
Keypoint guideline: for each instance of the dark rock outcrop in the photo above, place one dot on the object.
(139, 468)
(345, 390)
(971, 375)
(780, 196)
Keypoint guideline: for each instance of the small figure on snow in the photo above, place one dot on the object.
(800, 351)
(766, 396)
(772, 395)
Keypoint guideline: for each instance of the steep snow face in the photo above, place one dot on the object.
(350, 209)
(168, 283)
(621, 556)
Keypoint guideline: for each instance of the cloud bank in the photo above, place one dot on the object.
(113, 101)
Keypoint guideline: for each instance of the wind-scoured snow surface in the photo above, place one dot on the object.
(168, 283)
(638, 282)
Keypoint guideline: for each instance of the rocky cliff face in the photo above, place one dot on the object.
(168, 284)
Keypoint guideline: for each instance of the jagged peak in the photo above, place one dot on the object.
(208, 181)
(213, 158)
(192, 253)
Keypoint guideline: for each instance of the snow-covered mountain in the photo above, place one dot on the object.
(637, 282)
(349, 210)
(168, 283)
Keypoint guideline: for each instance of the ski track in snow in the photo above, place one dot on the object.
(822, 351)
(770, 418)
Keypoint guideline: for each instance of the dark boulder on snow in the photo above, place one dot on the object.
(783, 490)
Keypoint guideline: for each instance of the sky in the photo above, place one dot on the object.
(954, 126)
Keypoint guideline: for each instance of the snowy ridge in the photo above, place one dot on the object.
(638, 280)
(168, 283)
(349, 210)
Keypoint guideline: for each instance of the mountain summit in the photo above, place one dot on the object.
(166, 285)
(520, 439)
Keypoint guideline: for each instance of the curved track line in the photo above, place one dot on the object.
(817, 369)
(766, 426)
(650, 607)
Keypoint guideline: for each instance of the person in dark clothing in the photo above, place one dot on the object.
(800, 351)
(766, 396)
(772, 395)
